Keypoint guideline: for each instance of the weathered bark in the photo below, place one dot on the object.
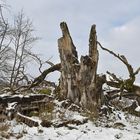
(78, 80)
(69, 59)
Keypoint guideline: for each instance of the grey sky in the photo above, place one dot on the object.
(117, 27)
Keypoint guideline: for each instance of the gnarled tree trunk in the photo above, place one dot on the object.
(78, 80)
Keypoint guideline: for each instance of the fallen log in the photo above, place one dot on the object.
(10, 105)
(27, 110)
(23, 99)
(27, 120)
(63, 123)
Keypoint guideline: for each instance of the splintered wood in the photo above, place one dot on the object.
(78, 80)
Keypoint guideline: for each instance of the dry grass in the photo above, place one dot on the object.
(4, 127)
(2, 118)
(47, 113)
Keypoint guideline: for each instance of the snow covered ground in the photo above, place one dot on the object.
(123, 128)
(83, 132)
(118, 125)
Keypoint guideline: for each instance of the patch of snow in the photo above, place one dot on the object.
(137, 109)
(105, 93)
(58, 103)
(119, 93)
(104, 106)
(5, 94)
(11, 105)
(78, 117)
(19, 95)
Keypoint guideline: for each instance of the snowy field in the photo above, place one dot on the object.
(123, 129)
(118, 125)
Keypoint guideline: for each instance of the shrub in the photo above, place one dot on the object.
(47, 91)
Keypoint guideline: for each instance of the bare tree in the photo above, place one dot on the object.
(22, 40)
(5, 50)
(15, 50)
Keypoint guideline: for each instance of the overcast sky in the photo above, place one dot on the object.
(117, 21)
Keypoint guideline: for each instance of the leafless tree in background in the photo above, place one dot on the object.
(5, 50)
(22, 40)
(15, 49)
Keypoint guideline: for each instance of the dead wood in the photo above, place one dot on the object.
(38, 80)
(43, 75)
(24, 99)
(132, 109)
(78, 81)
(127, 84)
(27, 120)
(66, 123)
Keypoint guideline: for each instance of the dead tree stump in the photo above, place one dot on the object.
(78, 81)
